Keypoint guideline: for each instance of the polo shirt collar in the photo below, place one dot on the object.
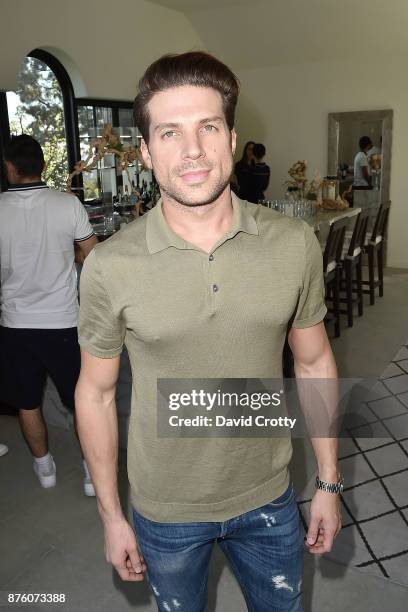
(27, 186)
(160, 236)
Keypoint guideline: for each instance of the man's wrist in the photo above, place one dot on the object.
(329, 473)
(330, 486)
(111, 515)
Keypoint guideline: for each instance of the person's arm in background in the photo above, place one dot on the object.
(83, 234)
(84, 247)
(98, 432)
(366, 175)
(365, 170)
(265, 177)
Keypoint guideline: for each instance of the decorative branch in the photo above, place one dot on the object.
(108, 143)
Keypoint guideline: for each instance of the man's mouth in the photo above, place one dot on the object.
(195, 176)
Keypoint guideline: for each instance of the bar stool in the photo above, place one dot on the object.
(373, 246)
(352, 261)
(332, 268)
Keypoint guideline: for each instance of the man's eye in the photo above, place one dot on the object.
(169, 134)
(210, 128)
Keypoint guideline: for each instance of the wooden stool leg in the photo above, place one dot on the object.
(336, 303)
(349, 292)
(371, 276)
(359, 271)
(380, 268)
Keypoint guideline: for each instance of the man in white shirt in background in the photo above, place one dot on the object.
(39, 301)
(362, 177)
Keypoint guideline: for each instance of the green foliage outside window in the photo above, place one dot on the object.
(39, 112)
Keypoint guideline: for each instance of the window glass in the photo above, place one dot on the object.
(36, 108)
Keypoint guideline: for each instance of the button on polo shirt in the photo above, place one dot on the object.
(148, 288)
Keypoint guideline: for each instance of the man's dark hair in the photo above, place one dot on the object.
(364, 142)
(259, 151)
(26, 155)
(193, 68)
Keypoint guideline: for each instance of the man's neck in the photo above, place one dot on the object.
(27, 179)
(202, 226)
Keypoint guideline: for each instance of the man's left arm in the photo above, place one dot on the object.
(313, 358)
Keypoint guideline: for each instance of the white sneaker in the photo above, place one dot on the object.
(3, 449)
(88, 484)
(47, 478)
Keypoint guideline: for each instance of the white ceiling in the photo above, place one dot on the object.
(249, 34)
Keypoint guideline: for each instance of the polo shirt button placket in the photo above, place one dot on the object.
(211, 257)
(215, 288)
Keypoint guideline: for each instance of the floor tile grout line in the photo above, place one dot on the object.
(385, 384)
(380, 478)
(373, 448)
(373, 518)
(364, 539)
(399, 442)
(360, 484)
(394, 375)
(385, 558)
(379, 420)
(362, 536)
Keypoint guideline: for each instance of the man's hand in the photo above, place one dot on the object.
(324, 522)
(122, 552)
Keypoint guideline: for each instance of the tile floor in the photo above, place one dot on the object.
(374, 537)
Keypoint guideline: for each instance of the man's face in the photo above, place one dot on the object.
(190, 145)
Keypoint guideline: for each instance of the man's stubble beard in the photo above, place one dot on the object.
(178, 196)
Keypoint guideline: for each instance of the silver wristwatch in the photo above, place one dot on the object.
(330, 487)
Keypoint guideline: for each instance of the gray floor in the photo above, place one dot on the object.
(51, 540)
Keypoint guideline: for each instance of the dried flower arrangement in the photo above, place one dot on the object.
(299, 182)
(108, 143)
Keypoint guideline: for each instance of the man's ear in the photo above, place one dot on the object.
(233, 140)
(147, 160)
(11, 171)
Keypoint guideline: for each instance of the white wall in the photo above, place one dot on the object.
(286, 108)
(104, 45)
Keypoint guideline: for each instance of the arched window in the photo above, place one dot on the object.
(43, 106)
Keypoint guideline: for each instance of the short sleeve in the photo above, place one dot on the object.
(100, 331)
(83, 229)
(363, 160)
(311, 308)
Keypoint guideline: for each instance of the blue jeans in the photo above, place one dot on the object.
(264, 548)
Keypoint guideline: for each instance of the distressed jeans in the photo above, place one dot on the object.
(264, 548)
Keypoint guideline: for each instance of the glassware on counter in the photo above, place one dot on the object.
(330, 187)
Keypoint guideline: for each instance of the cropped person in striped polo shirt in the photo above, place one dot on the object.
(39, 300)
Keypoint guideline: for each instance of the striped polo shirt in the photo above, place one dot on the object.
(38, 228)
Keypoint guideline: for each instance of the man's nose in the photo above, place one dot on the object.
(192, 146)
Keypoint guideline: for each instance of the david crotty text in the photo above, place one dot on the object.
(221, 421)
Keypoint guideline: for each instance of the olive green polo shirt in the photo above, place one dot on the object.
(185, 313)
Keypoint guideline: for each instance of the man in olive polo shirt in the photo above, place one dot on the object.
(203, 286)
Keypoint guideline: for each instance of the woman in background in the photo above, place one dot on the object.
(242, 167)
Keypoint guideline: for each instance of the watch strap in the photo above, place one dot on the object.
(330, 487)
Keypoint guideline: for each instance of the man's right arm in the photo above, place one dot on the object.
(366, 175)
(84, 247)
(98, 432)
